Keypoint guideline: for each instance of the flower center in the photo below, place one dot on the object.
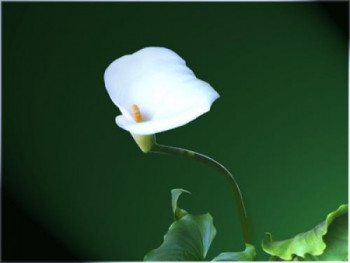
(136, 114)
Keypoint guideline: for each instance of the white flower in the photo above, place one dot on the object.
(155, 91)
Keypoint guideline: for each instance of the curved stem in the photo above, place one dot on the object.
(157, 148)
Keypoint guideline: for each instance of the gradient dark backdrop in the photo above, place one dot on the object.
(76, 187)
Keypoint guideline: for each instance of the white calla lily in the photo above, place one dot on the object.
(156, 83)
(155, 91)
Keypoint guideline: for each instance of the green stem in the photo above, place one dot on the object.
(157, 148)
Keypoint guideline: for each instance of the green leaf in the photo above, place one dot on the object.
(188, 238)
(326, 241)
(178, 212)
(247, 255)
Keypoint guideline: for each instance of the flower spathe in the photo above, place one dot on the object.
(165, 91)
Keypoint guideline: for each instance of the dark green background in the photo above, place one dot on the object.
(76, 187)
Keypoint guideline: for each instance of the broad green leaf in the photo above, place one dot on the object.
(247, 255)
(188, 238)
(327, 241)
(178, 212)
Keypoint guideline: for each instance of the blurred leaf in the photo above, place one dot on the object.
(178, 212)
(247, 255)
(326, 241)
